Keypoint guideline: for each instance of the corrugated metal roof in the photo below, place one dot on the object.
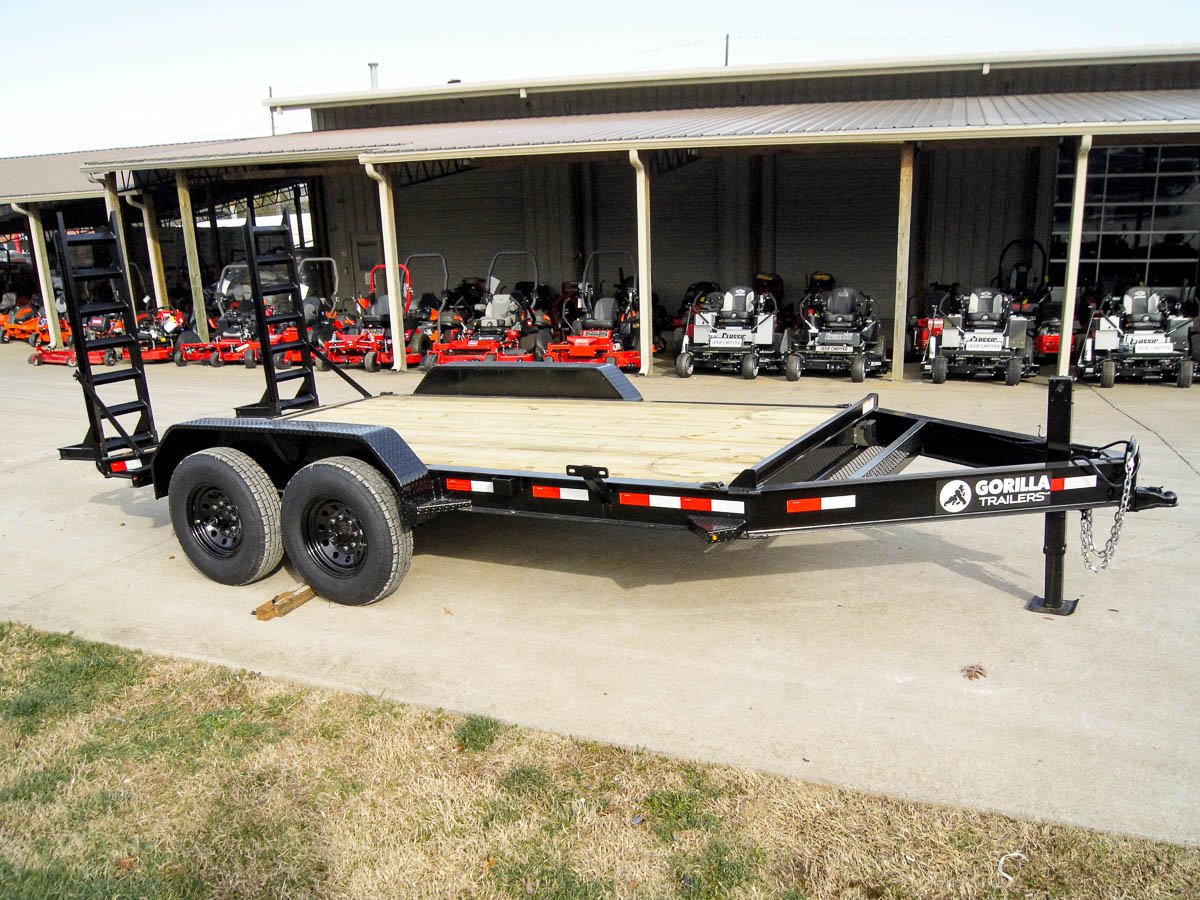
(58, 176)
(668, 78)
(1126, 112)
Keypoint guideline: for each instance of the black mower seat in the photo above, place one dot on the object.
(739, 305)
(1142, 309)
(841, 306)
(986, 305)
(602, 314)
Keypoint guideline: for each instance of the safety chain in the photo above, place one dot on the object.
(1105, 556)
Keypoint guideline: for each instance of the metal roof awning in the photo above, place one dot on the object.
(875, 121)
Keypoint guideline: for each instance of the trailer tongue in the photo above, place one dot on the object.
(340, 487)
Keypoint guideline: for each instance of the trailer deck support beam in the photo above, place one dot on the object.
(391, 262)
(41, 261)
(153, 248)
(1074, 242)
(903, 239)
(645, 284)
(187, 221)
(1054, 546)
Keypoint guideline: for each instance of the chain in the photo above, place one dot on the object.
(1105, 556)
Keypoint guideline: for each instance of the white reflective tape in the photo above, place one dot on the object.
(846, 501)
(665, 502)
(573, 494)
(728, 506)
(1079, 481)
(481, 487)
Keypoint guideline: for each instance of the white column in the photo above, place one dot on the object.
(645, 282)
(153, 248)
(391, 261)
(1074, 241)
(187, 221)
(903, 239)
(41, 261)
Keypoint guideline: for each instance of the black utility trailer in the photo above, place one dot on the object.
(340, 488)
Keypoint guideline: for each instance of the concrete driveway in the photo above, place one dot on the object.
(831, 657)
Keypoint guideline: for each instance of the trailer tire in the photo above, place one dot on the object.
(247, 544)
(379, 539)
(1187, 371)
(749, 366)
(858, 369)
(685, 365)
(248, 359)
(939, 369)
(1012, 371)
(1108, 373)
(180, 359)
(214, 359)
(791, 368)
(370, 362)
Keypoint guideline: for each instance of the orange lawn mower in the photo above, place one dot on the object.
(600, 329)
(495, 326)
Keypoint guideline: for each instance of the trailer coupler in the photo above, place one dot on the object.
(1152, 498)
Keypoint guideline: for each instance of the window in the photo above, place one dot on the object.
(1141, 218)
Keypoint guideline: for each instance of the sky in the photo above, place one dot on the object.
(82, 77)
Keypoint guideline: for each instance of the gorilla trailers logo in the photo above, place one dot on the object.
(955, 496)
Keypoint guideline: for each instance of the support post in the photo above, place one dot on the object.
(903, 242)
(1074, 241)
(112, 206)
(1054, 546)
(645, 281)
(41, 261)
(391, 260)
(187, 221)
(299, 216)
(158, 274)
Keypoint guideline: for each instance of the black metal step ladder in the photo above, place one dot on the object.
(269, 249)
(95, 284)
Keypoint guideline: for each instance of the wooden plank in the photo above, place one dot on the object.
(282, 604)
(656, 441)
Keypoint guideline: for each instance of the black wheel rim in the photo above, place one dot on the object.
(334, 537)
(215, 521)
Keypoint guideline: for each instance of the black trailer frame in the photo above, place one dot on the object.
(846, 471)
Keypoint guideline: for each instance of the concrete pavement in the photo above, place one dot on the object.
(831, 657)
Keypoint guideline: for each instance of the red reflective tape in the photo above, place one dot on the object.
(635, 499)
(697, 504)
(120, 466)
(545, 491)
(458, 484)
(1057, 484)
(808, 504)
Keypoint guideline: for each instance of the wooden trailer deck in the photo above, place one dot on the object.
(691, 442)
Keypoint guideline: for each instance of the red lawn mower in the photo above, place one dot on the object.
(498, 327)
(601, 329)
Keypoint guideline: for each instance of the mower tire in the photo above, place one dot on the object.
(110, 357)
(180, 359)
(319, 364)
(749, 366)
(1187, 371)
(214, 359)
(33, 340)
(858, 369)
(370, 362)
(280, 360)
(419, 343)
(685, 365)
(226, 514)
(610, 360)
(344, 532)
(428, 362)
(1012, 371)
(248, 359)
(5, 337)
(791, 368)
(35, 359)
(939, 369)
(1108, 373)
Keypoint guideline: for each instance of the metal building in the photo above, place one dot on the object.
(890, 174)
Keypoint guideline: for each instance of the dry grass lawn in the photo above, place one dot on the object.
(126, 775)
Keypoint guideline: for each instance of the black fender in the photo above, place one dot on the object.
(283, 447)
